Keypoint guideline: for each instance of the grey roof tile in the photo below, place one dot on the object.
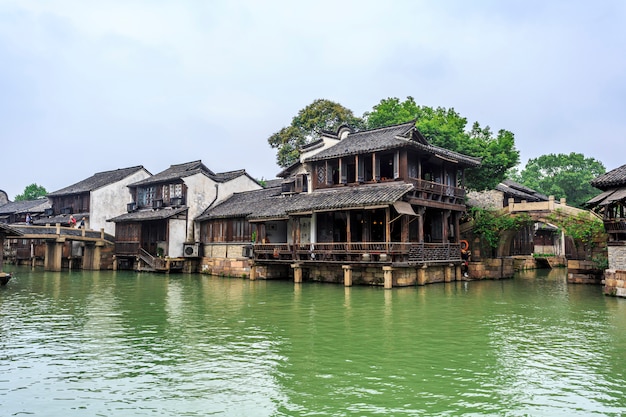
(271, 203)
(391, 137)
(145, 215)
(611, 179)
(28, 206)
(96, 181)
(179, 171)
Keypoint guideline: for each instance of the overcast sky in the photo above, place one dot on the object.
(91, 86)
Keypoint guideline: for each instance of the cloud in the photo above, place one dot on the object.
(97, 86)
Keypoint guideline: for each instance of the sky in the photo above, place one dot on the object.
(87, 87)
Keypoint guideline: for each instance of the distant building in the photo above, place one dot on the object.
(97, 198)
(159, 221)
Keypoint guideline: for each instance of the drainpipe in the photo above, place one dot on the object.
(209, 206)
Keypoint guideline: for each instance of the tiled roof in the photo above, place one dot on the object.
(145, 215)
(187, 169)
(176, 172)
(518, 190)
(227, 176)
(28, 206)
(8, 230)
(391, 137)
(614, 178)
(241, 204)
(273, 204)
(96, 181)
(58, 218)
(276, 182)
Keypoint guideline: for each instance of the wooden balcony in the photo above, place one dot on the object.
(358, 253)
(616, 229)
(437, 192)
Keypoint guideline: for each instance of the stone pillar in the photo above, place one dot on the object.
(449, 273)
(347, 275)
(115, 265)
(54, 255)
(297, 273)
(459, 273)
(421, 275)
(97, 256)
(253, 273)
(88, 257)
(388, 275)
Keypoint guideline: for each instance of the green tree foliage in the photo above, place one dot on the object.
(31, 192)
(447, 129)
(306, 127)
(489, 224)
(584, 228)
(563, 176)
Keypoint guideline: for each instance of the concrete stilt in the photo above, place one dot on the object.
(297, 273)
(449, 273)
(421, 275)
(347, 275)
(388, 275)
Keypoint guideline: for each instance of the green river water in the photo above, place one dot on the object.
(126, 344)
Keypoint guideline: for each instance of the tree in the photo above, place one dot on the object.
(447, 129)
(563, 176)
(307, 126)
(32, 192)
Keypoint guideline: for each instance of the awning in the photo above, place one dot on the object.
(403, 207)
(618, 195)
(600, 197)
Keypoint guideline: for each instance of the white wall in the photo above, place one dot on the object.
(177, 237)
(110, 201)
(201, 193)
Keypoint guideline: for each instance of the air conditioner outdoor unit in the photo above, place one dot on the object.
(248, 252)
(130, 207)
(191, 250)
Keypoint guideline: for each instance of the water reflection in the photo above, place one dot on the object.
(120, 344)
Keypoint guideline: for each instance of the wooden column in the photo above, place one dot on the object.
(420, 224)
(405, 228)
(445, 216)
(387, 224)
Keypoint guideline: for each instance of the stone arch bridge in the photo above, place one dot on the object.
(542, 211)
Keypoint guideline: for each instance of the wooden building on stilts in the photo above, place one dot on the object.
(376, 207)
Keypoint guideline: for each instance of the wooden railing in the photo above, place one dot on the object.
(127, 248)
(614, 226)
(358, 252)
(431, 189)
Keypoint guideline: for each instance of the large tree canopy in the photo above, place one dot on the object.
(563, 176)
(306, 127)
(31, 192)
(446, 128)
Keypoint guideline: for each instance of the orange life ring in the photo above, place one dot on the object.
(464, 245)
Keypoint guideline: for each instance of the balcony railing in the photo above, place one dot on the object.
(436, 191)
(359, 252)
(615, 225)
